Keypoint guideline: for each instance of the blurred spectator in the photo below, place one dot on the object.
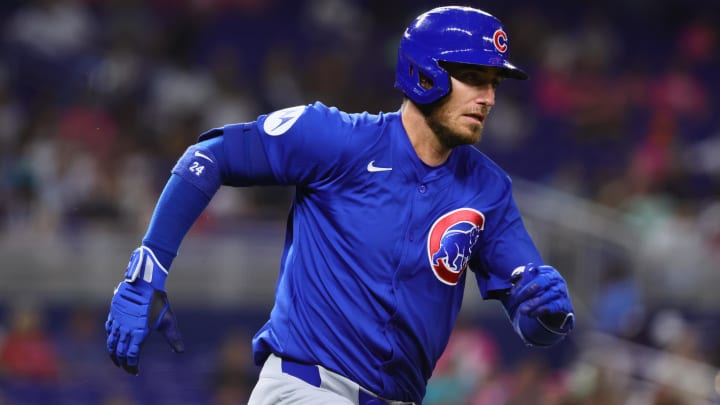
(531, 382)
(27, 350)
(232, 99)
(654, 157)
(682, 274)
(594, 385)
(681, 382)
(180, 85)
(119, 73)
(281, 85)
(709, 227)
(52, 45)
(11, 117)
(469, 362)
(618, 304)
(56, 28)
(78, 348)
(136, 190)
(678, 92)
(235, 374)
(701, 159)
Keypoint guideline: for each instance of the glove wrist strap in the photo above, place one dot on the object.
(534, 332)
(558, 323)
(145, 266)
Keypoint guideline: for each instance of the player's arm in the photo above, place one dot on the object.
(538, 305)
(140, 303)
(281, 148)
(535, 296)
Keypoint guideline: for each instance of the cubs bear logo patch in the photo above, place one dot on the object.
(451, 241)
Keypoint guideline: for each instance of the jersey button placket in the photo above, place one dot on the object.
(422, 189)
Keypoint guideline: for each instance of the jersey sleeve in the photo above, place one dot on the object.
(294, 146)
(507, 245)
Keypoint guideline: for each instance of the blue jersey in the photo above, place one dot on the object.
(378, 244)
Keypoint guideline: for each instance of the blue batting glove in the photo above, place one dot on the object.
(139, 306)
(541, 292)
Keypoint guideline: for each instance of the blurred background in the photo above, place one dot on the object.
(613, 145)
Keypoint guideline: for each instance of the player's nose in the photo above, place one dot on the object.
(485, 94)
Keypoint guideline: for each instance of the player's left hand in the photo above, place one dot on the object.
(541, 292)
(137, 308)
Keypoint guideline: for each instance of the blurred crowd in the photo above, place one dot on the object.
(98, 98)
(57, 355)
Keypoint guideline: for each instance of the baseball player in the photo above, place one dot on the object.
(391, 213)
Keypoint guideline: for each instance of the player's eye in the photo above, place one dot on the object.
(473, 75)
(477, 78)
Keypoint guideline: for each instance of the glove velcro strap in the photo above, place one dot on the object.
(145, 266)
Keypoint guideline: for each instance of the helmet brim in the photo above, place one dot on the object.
(507, 69)
(512, 72)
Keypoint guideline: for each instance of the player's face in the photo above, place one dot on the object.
(460, 117)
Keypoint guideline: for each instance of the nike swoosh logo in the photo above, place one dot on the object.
(372, 168)
(202, 155)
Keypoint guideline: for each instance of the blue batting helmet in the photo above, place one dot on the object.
(449, 34)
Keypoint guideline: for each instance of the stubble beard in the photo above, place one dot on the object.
(445, 134)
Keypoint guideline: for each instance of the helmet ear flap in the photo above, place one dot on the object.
(422, 79)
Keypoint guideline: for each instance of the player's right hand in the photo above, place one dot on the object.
(139, 306)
